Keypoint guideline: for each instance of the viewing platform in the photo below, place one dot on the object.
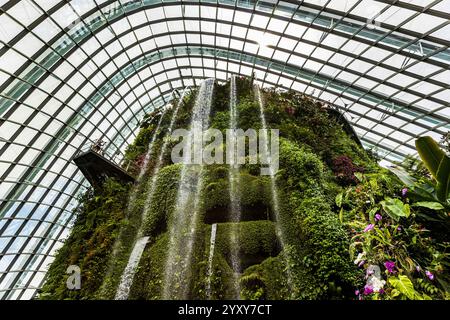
(96, 167)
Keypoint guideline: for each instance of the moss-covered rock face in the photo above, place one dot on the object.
(300, 252)
(256, 241)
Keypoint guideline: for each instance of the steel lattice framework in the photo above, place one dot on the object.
(74, 71)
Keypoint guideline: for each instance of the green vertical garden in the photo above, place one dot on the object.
(350, 228)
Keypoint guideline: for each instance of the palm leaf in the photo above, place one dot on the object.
(430, 153)
(443, 179)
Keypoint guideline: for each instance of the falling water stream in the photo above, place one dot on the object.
(184, 221)
(132, 198)
(139, 246)
(235, 205)
(151, 190)
(212, 244)
(128, 274)
(275, 200)
(133, 193)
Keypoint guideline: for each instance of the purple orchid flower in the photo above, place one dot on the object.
(378, 217)
(369, 227)
(404, 192)
(367, 290)
(356, 292)
(429, 275)
(390, 266)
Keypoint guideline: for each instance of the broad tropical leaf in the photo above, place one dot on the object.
(430, 153)
(443, 179)
(339, 199)
(403, 285)
(429, 205)
(438, 163)
(403, 176)
(395, 208)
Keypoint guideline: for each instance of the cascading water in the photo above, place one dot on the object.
(133, 196)
(150, 147)
(128, 275)
(152, 186)
(139, 246)
(275, 200)
(183, 224)
(235, 205)
(212, 244)
(133, 193)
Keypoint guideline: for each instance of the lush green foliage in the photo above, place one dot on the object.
(93, 236)
(255, 239)
(387, 232)
(163, 200)
(340, 217)
(438, 163)
(345, 170)
(265, 281)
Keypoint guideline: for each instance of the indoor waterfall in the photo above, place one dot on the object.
(273, 186)
(183, 221)
(118, 246)
(235, 206)
(212, 243)
(128, 274)
(250, 228)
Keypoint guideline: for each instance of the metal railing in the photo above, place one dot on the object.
(123, 163)
(101, 151)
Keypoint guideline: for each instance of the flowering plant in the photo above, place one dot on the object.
(385, 236)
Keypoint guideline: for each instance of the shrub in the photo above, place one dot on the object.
(94, 232)
(324, 247)
(301, 169)
(255, 240)
(253, 287)
(221, 98)
(221, 121)
(249, 114)
(266, 280)
(163, 202)
(344, 170)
